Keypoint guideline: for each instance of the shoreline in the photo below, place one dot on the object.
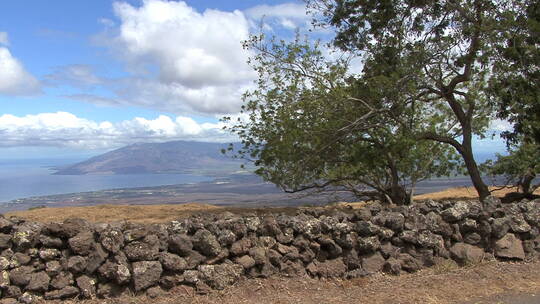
(234, 190)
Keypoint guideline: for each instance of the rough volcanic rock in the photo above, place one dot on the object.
(408, 262)
(21, 276)
(465, 253)
(29, 298)
(172, 262)
(87, 286)
(61, 280)
(146, 274)
(112, 240)
(509, 247)
(76, 264)
(392, 266)
(51, 242)
(4, 279)
(246, 261)
(335, 268)
(373, 263)
(83, 243)
(194, 259)
(62, 294)
(180, 244)
(205, 242)
(39, 281)
(48, 254)
(500, 227)
(110, 290)
(220, 276)
(240, 247)
(141, 251)
(368, 244)
(12, 292)
(5, 241)
(26, 236)
(459, 211)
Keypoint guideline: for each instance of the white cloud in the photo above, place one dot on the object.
(181, 60)
(77, 75)
(4, 38)
(286, 15)
(285, 10)
(62, 129)
(14, 79)
(499, 125)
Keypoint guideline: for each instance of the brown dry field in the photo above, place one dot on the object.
(466, 193)
(169, 212)
(490, 282)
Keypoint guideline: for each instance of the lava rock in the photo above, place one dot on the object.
(146, 274)
(87, 286)
(39, 282)
(220, 276)
(465, 253)
(83, 243)
(62, 294)
(509, 247)
(205, 242)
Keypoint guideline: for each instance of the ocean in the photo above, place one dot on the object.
(27, 178)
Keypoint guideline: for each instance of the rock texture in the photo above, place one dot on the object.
(76, 259)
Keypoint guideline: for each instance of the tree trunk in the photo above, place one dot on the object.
(525, 183)
(474, 172)
(396, 193)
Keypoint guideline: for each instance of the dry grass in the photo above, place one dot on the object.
(114, 213)
(465, 192)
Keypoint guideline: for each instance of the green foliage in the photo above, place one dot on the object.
(520, 167)
(455, 51)
(515, 87)
(313, 125)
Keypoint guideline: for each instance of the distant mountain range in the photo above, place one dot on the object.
(168, 157)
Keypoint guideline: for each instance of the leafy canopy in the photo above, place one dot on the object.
(313, 125)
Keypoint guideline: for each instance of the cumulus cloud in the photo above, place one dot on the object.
(286, 15)
(4, 38)
(180, 60)
(63, 129)
(14, 79)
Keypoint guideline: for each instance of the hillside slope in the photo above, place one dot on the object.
(168, 157)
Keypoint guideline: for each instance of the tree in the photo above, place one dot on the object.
(515, 92)
(515, 87)
(520, 167)
(312, 125)
(451, 48)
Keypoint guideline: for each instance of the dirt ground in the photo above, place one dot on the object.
(491, 282)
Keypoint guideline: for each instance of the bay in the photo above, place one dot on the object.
(27, 178)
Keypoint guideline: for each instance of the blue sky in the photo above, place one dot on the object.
(81, 77)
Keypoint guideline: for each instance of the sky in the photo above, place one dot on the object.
(79, 78)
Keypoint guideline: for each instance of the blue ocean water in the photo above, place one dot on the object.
(26, 178)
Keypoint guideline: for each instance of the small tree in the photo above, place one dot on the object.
(520, 167)
(313, 126)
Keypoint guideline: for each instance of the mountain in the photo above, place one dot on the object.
(168, 157)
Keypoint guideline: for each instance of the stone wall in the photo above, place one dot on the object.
(79, 259)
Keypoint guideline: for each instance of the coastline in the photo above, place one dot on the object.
(235, 190)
